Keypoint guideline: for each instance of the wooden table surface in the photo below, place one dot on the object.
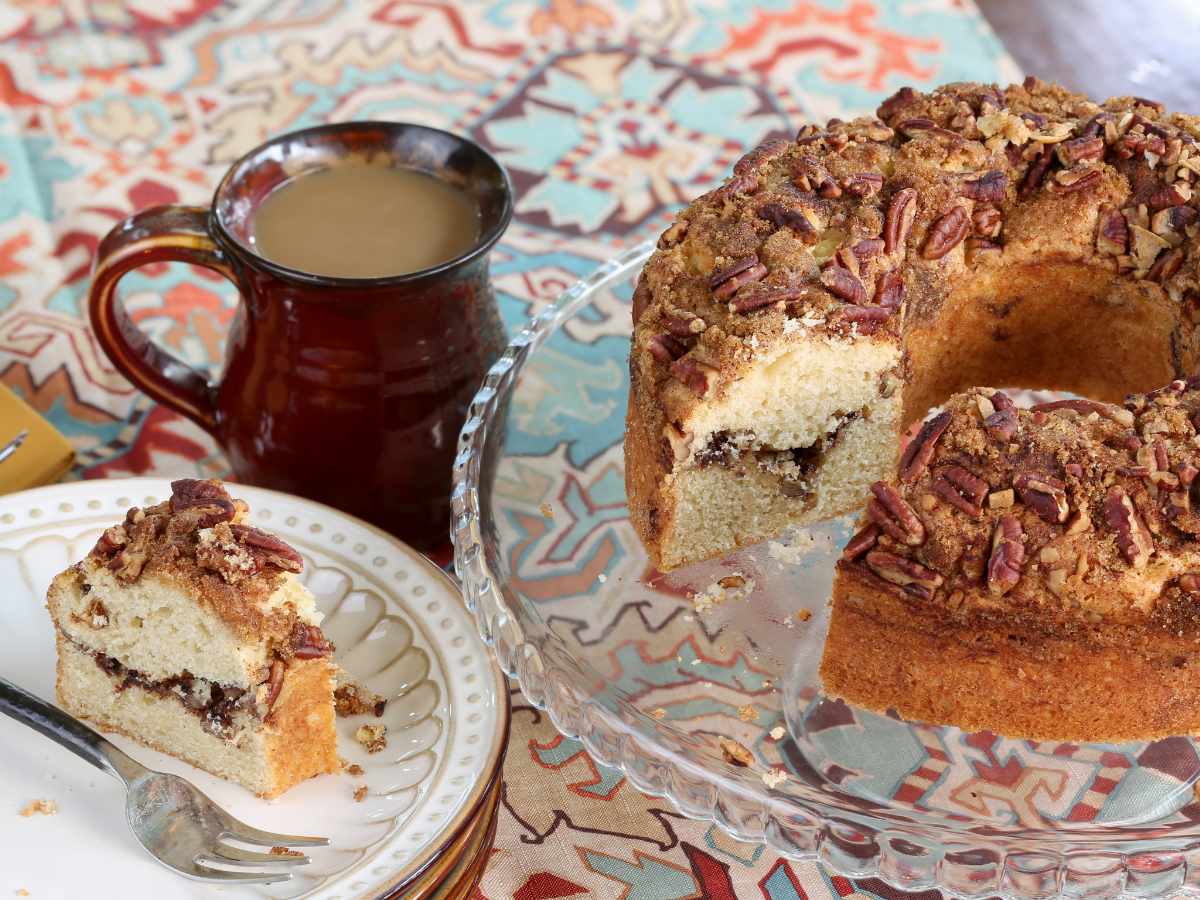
(1105, 48)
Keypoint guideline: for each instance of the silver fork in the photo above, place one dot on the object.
(178, 824)
(11, 447)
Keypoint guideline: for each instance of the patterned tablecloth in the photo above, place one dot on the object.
(608, 116)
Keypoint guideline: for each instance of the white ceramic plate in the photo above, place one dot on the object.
(400, 628)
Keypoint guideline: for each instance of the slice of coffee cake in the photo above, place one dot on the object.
(188, 631)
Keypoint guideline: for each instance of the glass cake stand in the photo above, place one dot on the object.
(660, 680)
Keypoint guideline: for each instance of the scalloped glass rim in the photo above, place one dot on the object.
(906, 847)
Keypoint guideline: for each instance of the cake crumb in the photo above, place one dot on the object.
(747, 713)
(354, 769)
(547, 510)
(777, 732)
(373, 737)
(734, 586)
(799, 545)
(803, 615)
(602, 578)
(659, 713)
(39, 808)
(21, 892)
(360, 793)
(351, 699)
(774, 777)
(285, 851)
(734, 753)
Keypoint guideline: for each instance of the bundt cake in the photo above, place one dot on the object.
(1024, 568)
(794, 320)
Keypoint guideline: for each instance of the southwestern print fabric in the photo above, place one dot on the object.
(609, 115)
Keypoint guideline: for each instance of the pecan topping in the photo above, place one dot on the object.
(1190, 583)
(910, 576)
(1036, 173)
(274, 683)
(1086, 407)
(986, 221)
(988, 188)
(889, 289)
(1045, 495)
(1165, 196)
(867, 248)
(1166, 265)
(1079, 149)
(893, 104)
(722, 277)
(685, 326)
(918, 123)
(674, 234)
(843, 285)
(1170, 223)
(697, 377)
(946, 233)
(1001, 425)
(641, 299)
(863, 184)
(308, 642)
(961, 489)
(761, 154)
(1112, 234)
(919, 451)
(868, 319)
(268, 548)
(212, 501)
(783, 217)
(111, 540)
(1008, 555)
(1070, 181)
(901, 212)
(862, 541)
(979, 249)
(756, 297)
(666, 348)
(738, 184)
(1133, 538)
(892, 513)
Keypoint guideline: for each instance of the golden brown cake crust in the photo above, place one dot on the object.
(1035, 551)
(1024, 235)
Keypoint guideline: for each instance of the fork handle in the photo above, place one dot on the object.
(66, 731)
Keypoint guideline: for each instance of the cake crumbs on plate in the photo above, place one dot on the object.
(774, 777)
(352, 699)
(21, 892)
(360, 793)
(735, 586)
(798, 545)
(803, 615)
(39, 808)
(734, 753)
(747, 713)
(547, 510)
(778, 732)
(354, 769)
(373, 737)
(285, 851)
(659, 713)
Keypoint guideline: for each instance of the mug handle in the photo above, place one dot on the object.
(159, 234)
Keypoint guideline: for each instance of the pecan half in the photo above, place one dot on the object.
(863, 184)
(1079, 178)
(274, 683)
(763, 153)
(843, 284)
(1008, 555)
(898, 222)
(961, 489)
(892, 513)
(1166, 265)
(784, 217)
(889, 289)
(725, 281)
(987, 188)
(110, 541)
(666, 348)
(920, 449)
(910, 576)
(1045, 495)
(1036, 173)
(308, 642)
(893, 104)
(1086, 407)
(268, 548)
(868, 319)
(1001, 425)
(863, 540)
(1112, 233)
(208, 497)
(738, 184)
(1166, 196)
(946, 233)
(756, 297)
(1080, 148)
(868, 248)
(685, 326)
(1133, 538)
(986, 221)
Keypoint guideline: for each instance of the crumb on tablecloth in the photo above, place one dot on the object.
(39, 808)
(735, 586)
(360, 793)
(777, 732)
(547, 510)
(747, 713)
(774, 777)
(373, 737)
(735, 754)
(350, 699)
(659, 713)
(21, 892)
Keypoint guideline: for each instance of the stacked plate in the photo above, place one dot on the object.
(425, 826)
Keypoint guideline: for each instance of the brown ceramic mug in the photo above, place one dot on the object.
(350, 391)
